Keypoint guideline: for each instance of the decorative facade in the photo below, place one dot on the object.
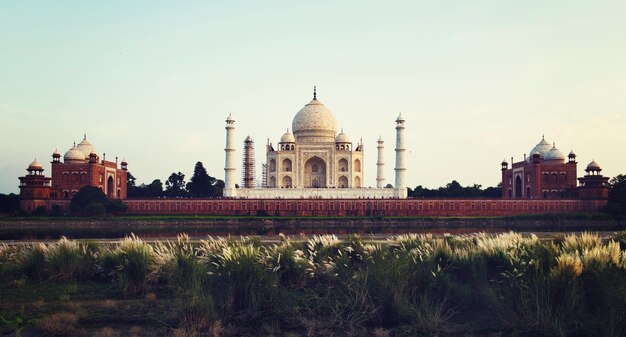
(315, 161)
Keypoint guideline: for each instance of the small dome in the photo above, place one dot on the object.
(593, 166)
(288, 138)
(74, 154)
(504, 162)
(85, 146)
(554, 154)
(542, 148)
(571, 154)
(342, 138)
(380, 139)
(35, 166)
(56, 153)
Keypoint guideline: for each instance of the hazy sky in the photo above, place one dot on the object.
(152, 82)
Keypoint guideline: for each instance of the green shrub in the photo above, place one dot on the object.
(136, 261)
(32, 260)
(68, 259)
(94, 209)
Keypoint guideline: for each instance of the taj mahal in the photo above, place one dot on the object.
(313, 162)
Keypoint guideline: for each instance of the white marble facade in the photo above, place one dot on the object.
(312, 162)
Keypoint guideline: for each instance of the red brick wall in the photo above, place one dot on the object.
(359, 207)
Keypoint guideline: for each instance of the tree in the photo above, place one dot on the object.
(218, 187)
(86, 196)
(175, 185)
(9, 203)
(617, 196)
(154, 190)
(455, 190)
(132, 190)
(201, 183)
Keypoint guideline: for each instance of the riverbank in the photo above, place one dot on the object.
(28, 228)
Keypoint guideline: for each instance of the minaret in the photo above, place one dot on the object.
(400, 187)
(229, 168)
(380, 164)
(248, 163)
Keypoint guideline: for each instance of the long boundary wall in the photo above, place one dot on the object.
(359, 207)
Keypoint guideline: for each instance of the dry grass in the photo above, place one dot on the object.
(107, 332)
(59, 324)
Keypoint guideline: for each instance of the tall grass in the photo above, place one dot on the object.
(412, 284)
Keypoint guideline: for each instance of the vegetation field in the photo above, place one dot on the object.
(408, 285)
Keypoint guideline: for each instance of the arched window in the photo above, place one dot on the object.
(286, 165)
(357, 182)
(287, 181)
(343, 182)
(518, 187)
(272, 165)
(357, 166)
(272, 182)
(343, 165)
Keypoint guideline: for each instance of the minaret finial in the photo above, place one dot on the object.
(314, 92)
(85, 136)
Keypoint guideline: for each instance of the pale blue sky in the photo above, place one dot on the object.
(477, 81)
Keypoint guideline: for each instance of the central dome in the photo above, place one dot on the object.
(315, 121)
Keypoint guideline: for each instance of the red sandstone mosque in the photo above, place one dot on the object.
(81, 166)
(546, 173)
(317, 172)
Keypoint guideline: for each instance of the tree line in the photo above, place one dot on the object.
(455, 190)
(201, 185)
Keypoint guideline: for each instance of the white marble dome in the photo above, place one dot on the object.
(542, 149)
(74, 154)
(288, 137)
(554, 154)
(314, 120)
(85, 147)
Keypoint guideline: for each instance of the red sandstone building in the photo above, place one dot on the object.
(548, 174)
(81, 166)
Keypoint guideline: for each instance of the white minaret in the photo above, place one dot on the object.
(380, 164)
(400, 187)
(229, 168)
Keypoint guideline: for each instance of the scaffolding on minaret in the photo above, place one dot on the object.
(264, 175)
(248, 172)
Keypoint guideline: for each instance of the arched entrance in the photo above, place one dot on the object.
(518, 187)
(343, 182)
(357, 182)
(315, 173)
(287, 181)
(110, 187)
